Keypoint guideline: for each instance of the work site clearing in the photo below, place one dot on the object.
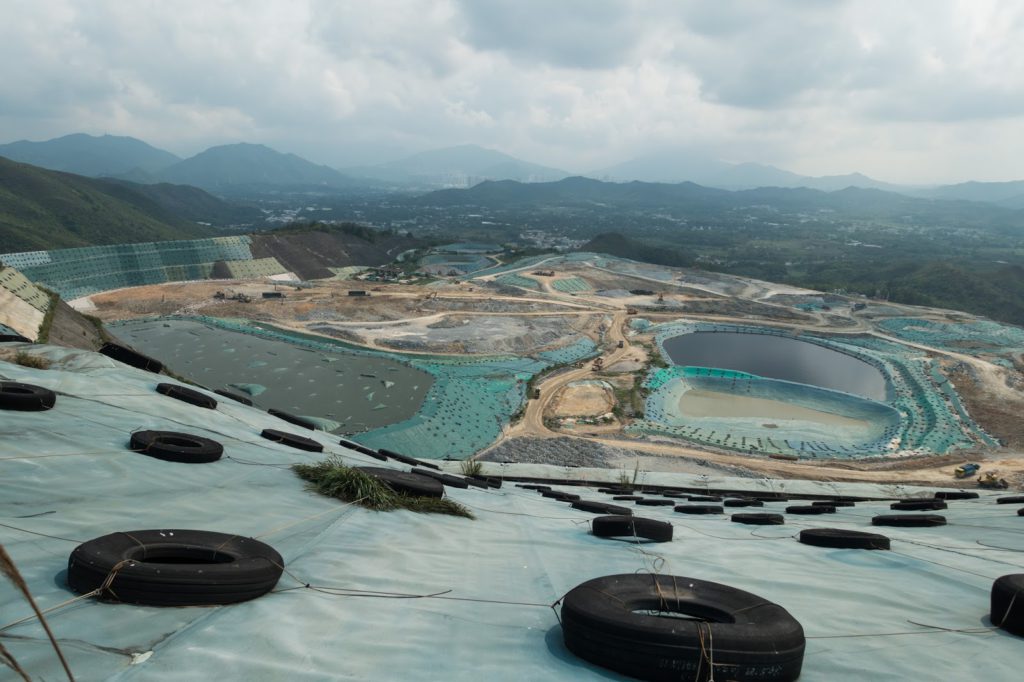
(603, 403)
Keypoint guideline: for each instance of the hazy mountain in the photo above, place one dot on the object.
(249, 165)
(91, 156)
(675, 166)
(689, 199)
(1008, 194)
(671, 166)
(43, 209)
(461, 166)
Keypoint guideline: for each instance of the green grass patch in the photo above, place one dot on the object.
(333, 479)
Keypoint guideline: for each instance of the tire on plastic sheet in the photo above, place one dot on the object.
(612, 622)
(631, 526)
(838, 538)
(20, 397)
(175, 567)
(172, 446)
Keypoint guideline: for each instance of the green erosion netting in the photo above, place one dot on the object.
(430, 406)
(921, 413)
(571, 285)
(972, 338)
(73, 273)
(518, 281)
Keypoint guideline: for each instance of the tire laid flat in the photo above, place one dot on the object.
(601, 508)
(172, 446)
(759, 519)
(406, 482)
(909, 520)
(612, 622)
(843, 539)
(187, 395)
(292, 440)
(631, 526)
(20, 397)
(175, 567)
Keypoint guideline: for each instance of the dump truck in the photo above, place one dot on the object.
(966, 470)
(992, 481)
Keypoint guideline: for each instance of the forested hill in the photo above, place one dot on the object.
(42, 209)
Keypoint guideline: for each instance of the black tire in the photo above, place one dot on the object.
(918, 505)
(233, 396)
(444, 479)
(175, 567)
(759, 519)
(559, 495)
(654, 502)
(491, 481)
(956, 495)
(743, 503)
(362, 449)
(674, 495)
(810, 509)
(699, 509)
(406, 459)
(631, 526)
(1007, 604)
(603, 621)
(1020, 512)
(172, 446)
(292, 441)
(601, 508)
(15, 395)
(533, 486)
(615, 491)
(292, 419)
(131, 358)
(627, 498)
(843, 539)
(1012, 499)
(909, 520)
(705, 498)
(405, 482)
(833, 503)
(187, 395)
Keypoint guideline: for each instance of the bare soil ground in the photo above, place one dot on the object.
(992, 395)
(589, 399)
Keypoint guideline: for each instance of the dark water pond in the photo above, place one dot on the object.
(778, 357)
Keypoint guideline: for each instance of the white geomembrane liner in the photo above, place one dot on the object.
(67, 473)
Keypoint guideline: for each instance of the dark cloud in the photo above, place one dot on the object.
(584, 34)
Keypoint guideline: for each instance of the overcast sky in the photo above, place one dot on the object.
(915, 91)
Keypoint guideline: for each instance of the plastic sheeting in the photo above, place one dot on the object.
(66, 475)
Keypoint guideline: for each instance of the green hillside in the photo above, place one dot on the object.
(41, 209)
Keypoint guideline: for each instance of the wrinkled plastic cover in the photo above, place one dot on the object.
(67, 473)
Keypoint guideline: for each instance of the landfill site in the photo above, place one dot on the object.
(450, 465)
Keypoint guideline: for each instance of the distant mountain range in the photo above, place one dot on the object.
(462, 166)
(228, 168)
(586, 194)
(674, 166)
(43, 209)
(91, 156)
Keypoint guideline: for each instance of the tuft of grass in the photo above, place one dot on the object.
(471, 467)
(333, 479)
(34, 361)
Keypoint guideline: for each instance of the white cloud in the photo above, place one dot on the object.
(913, 90)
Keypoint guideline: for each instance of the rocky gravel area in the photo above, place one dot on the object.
(577, 452)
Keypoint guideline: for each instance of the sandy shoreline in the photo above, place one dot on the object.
(704, 403)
